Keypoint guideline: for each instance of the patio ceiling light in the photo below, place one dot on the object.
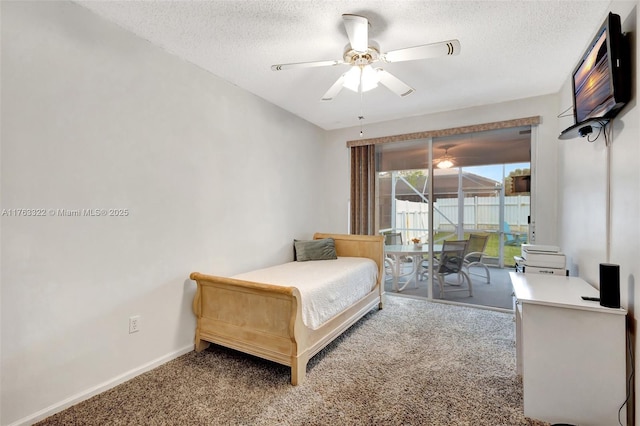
(445, 164)
(446, 161)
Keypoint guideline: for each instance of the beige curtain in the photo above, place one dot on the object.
(363, 180)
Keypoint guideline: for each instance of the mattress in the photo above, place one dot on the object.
(327, 287)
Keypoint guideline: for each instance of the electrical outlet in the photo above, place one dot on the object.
(134, 324)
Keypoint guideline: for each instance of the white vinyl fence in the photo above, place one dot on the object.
(480, 214)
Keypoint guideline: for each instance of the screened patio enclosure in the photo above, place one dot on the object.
(483, 200)
(476, 194)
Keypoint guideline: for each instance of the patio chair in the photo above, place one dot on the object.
(450, 262)
(391, 239)
(512, 238)
(475, 254)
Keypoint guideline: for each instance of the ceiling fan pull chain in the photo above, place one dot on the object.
(361, 116)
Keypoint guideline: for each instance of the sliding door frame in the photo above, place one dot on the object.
(429, 136)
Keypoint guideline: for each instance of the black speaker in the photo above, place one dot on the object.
(610, 285)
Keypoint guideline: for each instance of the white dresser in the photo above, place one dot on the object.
(570, 352)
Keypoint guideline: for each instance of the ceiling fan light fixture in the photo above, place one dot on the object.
(369, 78)
(353, 77)
(445, 164)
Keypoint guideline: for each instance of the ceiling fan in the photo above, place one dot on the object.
(446, 160)
(361, 53)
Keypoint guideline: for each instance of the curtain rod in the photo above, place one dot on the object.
(527, 121)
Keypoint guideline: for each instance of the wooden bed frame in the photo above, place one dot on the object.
(266, 320)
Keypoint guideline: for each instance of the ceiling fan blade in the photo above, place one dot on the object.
(281, 67)
(425, 51)
(358, 32)
(334, 90)
(393, 83)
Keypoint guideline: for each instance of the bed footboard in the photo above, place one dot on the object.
(255, 318)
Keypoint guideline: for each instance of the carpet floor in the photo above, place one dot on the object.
(413, 363)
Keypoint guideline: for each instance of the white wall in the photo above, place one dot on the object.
(94, 117)
(582, 207)
(544, 149)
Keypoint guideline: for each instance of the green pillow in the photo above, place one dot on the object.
(322, 249)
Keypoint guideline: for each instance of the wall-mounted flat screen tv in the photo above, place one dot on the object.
(601, 79)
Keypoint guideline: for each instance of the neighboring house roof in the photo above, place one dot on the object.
(445, 185)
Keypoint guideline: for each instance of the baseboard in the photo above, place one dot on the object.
(82, 396)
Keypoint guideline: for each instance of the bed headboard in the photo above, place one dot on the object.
(370, 246)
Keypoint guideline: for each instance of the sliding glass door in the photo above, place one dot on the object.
(478, 183)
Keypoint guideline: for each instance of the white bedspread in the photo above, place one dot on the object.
(327, 287)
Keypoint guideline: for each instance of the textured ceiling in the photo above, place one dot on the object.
(510, 49)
